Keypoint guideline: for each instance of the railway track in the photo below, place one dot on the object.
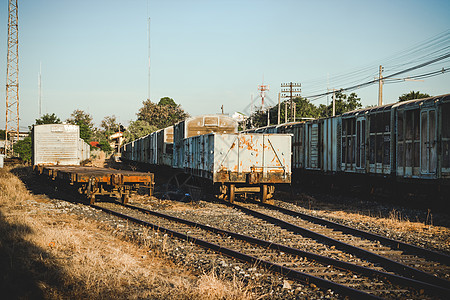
(406, 259)
(347, 275)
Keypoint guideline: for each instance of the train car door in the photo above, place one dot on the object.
(313, 158)
(361, 143)
(445, 139)
(428, 141)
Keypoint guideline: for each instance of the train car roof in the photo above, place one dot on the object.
(423, 101)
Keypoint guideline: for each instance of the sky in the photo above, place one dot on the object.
(94, 55)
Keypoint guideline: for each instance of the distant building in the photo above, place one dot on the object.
(22, 135)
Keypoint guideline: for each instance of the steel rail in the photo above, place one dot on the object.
(386, 262)
(412, 249)
(319, 258)
(289, 273)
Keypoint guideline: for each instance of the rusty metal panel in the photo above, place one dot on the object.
(57, 144)
(231, 157)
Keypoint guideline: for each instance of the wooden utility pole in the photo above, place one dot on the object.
(12, 79)
(380, 87)
(334, 103)
(291, 90)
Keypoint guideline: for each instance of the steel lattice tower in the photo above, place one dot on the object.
(12, 78)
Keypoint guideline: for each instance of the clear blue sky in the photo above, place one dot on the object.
(94, 54)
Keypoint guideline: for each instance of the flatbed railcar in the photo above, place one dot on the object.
(58, 153)
(209, 149)
(403, 144)
(92, 181)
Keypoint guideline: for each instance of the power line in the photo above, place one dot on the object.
(358, 86)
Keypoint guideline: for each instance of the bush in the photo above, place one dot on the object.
(23, 149)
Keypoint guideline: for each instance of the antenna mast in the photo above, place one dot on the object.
(12, 79)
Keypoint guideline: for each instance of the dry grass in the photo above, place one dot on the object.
(47, 254)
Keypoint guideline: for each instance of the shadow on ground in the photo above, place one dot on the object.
(25, 268)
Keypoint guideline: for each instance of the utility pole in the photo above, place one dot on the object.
(380, 87)
(12, 79)
(334, 101)
(279, 108)
(291, 90)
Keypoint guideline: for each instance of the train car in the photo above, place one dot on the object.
(198, 125)
(58, 144)
(164, 146)
(383, 146)
(423, 139)
(240, 163)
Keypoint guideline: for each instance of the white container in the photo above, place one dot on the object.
(58, 144)
(224, 157)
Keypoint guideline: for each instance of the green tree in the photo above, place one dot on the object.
(23, 149)
(48, 119)
(85, 121)
(343, 104)
(137, 129)
(161, 115)
(2, 134)
(412, 95)
(167, 101)
(105, 146)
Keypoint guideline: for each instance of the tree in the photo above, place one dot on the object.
(412, 95)
(305, 109)
(167, 101)
(109, 124)
(105, 146)
(23, 149)
(48, 119)
(163, 114)
(2, 134)
(138, 129)
(343, 104)
(84, 120)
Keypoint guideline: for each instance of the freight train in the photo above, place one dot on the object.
(209, 149)
(406, 142)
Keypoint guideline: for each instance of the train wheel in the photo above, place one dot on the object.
(231, 193)
(264, 193)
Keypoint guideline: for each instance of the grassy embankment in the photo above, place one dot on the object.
(46, 253)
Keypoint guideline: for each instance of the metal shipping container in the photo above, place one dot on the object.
(199, 125)
(57, 144)
(241, 158)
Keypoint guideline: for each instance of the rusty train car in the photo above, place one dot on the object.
(209, 149)
(58, 152)
(405, 142)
